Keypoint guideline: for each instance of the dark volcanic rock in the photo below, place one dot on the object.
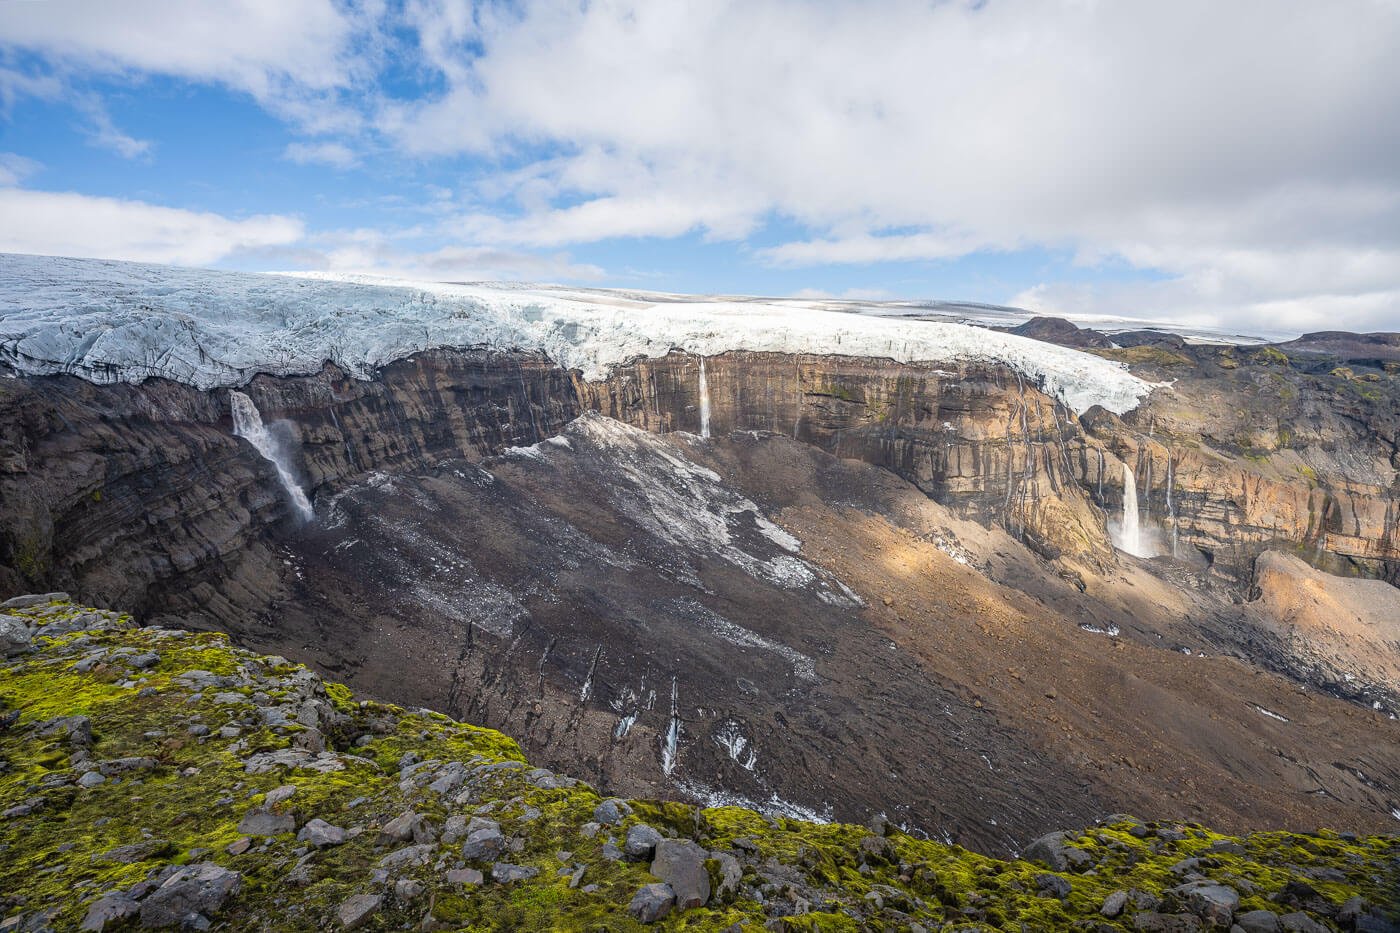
(1065, 333)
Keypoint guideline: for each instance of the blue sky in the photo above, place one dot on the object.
(1072, 157)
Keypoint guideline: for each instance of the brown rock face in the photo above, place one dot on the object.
(977, 439)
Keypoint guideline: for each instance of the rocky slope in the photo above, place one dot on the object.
(155, 778)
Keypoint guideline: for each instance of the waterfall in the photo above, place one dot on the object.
(248, 424)
(1130, 531)
(704, 401)
(1171, 503)
(673, 735)
(1101, 469)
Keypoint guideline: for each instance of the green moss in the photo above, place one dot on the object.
(187, 808)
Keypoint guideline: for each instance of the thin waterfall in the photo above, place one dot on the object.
(704, 401)
(1171, 502)
(248, 424)
(1130, 530)
(1101, 469)
(673, 734)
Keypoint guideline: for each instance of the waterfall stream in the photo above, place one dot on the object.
(704, 401)
(1130, 536)
(248, 424)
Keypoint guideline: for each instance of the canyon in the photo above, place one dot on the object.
(825, 584)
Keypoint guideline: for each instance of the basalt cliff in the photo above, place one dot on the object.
(840, 570)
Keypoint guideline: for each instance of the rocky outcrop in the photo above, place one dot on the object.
(166, 853)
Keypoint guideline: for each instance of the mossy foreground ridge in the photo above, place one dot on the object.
(158, 778)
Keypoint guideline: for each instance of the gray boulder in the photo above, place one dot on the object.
(641, 841)
(1113, 904)
(484, 841)
(1259, 921)
(260, 822)
(681, 864)
(611, 811)
(31, 600)
(357, 910)
(1052, 850)
(652, 902)
(1214, 903)
(1151, 922)
(109, 911)
(505, 873)
(320, 833)
(14, 636)
(406, 826)
(191, 893)
(1299, 922)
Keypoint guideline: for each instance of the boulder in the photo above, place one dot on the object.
(190, 893)
(14, 636)
(320, 833)
(1259, 921)
(109, 911)
(1048, 885)
(1113, 904)
(484, 840)
(405, 827)
(1214, 903)
(260, 822)
(505, 873)
(1151, 922)
(681, 864)
(652, 902)
(611, 811)
(464, 876)
(641, 842)
(31, 600)
(1055, 854)
(357, 910)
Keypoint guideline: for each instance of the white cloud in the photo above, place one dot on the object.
(292, 57)
(1250, 149)
(69, 224)
(14, 168)
(377, 252)
(336, 155)
(104, 134)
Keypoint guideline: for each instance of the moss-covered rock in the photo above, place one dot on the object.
(132, 755)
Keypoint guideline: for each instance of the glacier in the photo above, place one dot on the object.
(109, 321)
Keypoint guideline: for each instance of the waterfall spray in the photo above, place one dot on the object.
(248, 424)
(1130, 531)
(704, 401)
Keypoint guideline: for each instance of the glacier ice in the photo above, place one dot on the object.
(110, 321)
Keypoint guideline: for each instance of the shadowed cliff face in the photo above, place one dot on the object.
(121, 491)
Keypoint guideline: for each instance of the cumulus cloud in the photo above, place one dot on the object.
(1247, 154)
(69, 224)
(1218, 143)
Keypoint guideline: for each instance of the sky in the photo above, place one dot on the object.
(1232, 165)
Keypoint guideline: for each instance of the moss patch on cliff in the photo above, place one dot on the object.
(135, 756)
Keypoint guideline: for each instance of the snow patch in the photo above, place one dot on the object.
(112, 321)
(1271, 714)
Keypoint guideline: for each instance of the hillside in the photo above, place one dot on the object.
(157, 778)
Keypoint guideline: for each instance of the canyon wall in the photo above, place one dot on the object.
(109, 491)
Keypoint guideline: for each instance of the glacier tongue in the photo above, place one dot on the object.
(125, 322)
